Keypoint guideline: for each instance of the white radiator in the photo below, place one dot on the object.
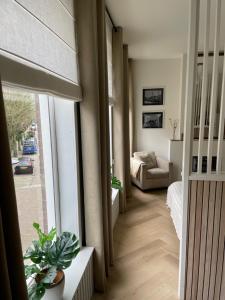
(115, 206)
(85, 288)
(79, 277)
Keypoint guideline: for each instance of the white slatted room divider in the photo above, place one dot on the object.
(202, 264)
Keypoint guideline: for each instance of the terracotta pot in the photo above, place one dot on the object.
(55, 291)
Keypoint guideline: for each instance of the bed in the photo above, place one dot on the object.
(174, 202)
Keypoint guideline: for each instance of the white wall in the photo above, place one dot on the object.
(164, 73)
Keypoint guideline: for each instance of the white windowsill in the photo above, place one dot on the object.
(75, 272)
(115, 192)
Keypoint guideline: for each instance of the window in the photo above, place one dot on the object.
(111, 138)
(109, 29)
(44, 149)
(26, 144)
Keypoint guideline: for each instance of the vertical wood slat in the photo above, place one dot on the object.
(209, 239)
(191, 239)
(205, 243)
(215, 242)
(220, 260)
(208, 99)
(205, 209)
(197, 236)
(213, 103)
(188, 130)
(222, 288)
(198, 100)
(195, 102)
(221, 124)
(197, 97)
(204, 85)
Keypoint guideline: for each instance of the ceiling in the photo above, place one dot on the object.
(156, 29)
(152, 28)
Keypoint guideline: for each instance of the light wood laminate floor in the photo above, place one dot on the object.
(146, 251)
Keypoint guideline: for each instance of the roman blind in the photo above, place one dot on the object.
(38, 43)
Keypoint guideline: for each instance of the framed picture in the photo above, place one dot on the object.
(153, 96)
(152, 120)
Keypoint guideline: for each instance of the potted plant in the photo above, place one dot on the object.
(49, 256)
(116, 183)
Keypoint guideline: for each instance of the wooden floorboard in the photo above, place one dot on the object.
(146, 251)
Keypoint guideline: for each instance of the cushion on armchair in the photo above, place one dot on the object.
(156, 173)
(147, 157)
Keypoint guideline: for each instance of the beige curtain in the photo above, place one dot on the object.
(95, 134)
(121, 131)
(13, 284)
(131, 106)
(118, 112)
(126, 124)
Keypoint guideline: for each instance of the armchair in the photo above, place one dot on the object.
(149, 176)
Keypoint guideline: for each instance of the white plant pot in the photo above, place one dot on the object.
(55, 292)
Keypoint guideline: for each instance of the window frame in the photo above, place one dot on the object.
(53, 210)
(62, 210)
(47, 122)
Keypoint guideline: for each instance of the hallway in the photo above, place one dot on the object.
(146, 251)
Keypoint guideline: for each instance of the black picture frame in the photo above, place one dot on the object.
(153, 96)
(152, 120)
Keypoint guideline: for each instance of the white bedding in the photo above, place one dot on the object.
(174, 202)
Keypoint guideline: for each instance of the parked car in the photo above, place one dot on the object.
(30, 146)
(25, 166)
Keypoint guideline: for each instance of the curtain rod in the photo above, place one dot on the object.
(110, 17)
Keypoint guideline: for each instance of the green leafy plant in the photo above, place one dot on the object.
(116, 183)
(48, 255)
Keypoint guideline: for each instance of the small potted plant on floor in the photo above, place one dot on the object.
(49, 256)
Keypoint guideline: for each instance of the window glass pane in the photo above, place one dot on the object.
(65, 114)
(109, 54)
(26, 143)
(111, 138)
